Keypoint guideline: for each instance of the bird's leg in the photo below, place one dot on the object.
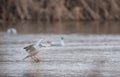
(36, 58)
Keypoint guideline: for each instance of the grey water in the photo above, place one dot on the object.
(92, 49)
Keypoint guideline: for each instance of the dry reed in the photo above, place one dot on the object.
(59, 10)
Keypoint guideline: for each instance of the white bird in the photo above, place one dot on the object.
(58, 43)
(11, 31)
(33, 50)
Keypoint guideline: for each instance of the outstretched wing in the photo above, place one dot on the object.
(28, 47)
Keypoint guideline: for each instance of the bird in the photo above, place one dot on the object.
(58, 43)
(11, 31)
(33, 51)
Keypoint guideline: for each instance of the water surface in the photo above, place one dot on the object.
(87, 27)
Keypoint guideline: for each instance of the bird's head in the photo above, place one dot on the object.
(39, 43)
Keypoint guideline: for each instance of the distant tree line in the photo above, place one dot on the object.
(59, 10)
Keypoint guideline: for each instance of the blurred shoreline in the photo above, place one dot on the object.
(89, 27)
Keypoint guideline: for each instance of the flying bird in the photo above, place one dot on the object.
(32, 51)
(57, 43)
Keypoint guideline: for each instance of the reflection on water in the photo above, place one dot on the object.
(68, 27)
(82, 56)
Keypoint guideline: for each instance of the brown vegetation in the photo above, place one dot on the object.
(60, 10)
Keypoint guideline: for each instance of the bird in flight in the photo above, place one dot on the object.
(32, 51)
(58, 43)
